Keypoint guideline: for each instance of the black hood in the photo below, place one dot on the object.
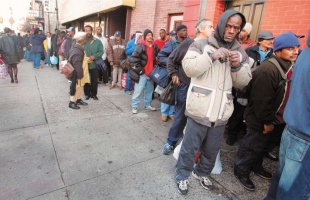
(220, 28)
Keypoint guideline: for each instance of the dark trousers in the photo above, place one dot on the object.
(235, 122)
(92, 88)
(176, 130)
(252, 149)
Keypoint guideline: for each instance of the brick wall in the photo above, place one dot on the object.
(287, 15)
(214, 10)
(154, 14)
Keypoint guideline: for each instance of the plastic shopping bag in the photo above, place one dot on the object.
(3, 70)
(54, 60)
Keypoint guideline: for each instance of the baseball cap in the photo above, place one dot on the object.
(72, 29)
(265, 35)
(118, 33)
(172, 32)
(299, 36)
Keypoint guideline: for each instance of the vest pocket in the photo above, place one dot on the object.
(227, 107)
(200, 101)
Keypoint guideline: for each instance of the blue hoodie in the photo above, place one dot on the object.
(297, 110)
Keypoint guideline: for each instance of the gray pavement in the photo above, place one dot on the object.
(101, 151)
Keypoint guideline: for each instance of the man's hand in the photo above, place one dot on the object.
(111, 63)
(221, 53)
(268, 128)
(92, 58)
(234, 58)
(175, 80)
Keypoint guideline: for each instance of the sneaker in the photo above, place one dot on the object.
(150, 108)
(69, 81)
(167, 149)
(263, 174)
(134, 110)
(182, 187)
(128, 92)
(204, 181)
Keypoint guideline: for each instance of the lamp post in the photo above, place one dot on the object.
(42, 10)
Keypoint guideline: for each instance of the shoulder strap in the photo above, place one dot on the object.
(276, 63)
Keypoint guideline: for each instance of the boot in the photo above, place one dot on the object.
(73, 105)
(245, 180)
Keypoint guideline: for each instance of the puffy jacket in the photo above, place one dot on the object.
(116, 51)
(8, 49)
(209, 100)
(36, 41)
(130, 47)
(167, 50)
(139, 60)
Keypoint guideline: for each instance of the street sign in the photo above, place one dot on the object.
(49, 6)
(33, 13)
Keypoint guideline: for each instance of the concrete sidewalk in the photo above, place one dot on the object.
(101, 151)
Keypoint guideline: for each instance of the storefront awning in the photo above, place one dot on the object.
(70, 10)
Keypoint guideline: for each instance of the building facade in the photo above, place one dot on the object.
(127, 16)
(277, 16)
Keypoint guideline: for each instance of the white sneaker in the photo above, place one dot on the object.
(150, 108)
(204, 181)
(69, 81)
(134, 110)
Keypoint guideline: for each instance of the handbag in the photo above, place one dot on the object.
(3, 70)
(168, 95)
(100, 65)
(160, 76)
(124, 64)
(66, 68)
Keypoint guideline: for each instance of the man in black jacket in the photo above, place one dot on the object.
(259, 52)
(70, 42)
(143, 60)
(269, 90)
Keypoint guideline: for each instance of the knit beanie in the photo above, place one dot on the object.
(248, 27)
(285, 40)
(146, 31)
(180, 27)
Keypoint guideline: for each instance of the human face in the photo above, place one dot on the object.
(289, 54)
(266, 44)
(232, 28)
(88, 32)
(149, 37)
(182, 33)
(208, 30)
(118, 37)
(162, 35)
(99, 31)
(71, 33)
(48, 34)
(243, 34)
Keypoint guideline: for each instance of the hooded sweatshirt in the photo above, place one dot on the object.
(297, 111)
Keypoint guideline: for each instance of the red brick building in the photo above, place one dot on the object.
(277, 16)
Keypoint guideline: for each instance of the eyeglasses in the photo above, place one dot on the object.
(236, 28)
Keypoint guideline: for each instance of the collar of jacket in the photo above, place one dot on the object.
(285, 65)
(92, 39)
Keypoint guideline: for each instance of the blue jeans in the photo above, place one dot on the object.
(167, 110)
(176, 130)
(128, 82)
(36, 59)
(47, 57)
(28, 55)
(291, 180)
(145, 84)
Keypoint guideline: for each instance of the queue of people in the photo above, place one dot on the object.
(225, 83)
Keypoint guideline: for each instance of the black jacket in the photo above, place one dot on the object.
(174, 62)
(70, 42)
(139, 60)
(253, 53)
(9, 49)
(266, 93)
(76, 56)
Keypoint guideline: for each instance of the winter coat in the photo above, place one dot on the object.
(116, 51)
(267, 91)
(70, 42)
(36, 41)
(166, 51)
(76, 56)
(139, 60)
(104, 42)
(253, 53)
(9, 49)
(209, 99)
(93, 47)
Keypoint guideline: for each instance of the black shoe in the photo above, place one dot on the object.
(73, 105)
(263, 174)
(231, 139)
(94, 97)
(81, 102)
(245, 181)
(272, 156)
(182, 187)
(87, 97)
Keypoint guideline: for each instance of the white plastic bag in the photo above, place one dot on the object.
(217, 169)
(3, 70)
